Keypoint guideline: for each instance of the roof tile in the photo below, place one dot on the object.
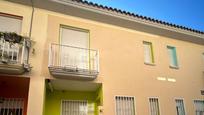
(136, 15)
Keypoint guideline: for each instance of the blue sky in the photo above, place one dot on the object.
(189, 13)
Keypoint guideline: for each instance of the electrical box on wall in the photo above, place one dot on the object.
(202, 92)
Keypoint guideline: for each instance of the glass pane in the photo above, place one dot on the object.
(72, 56)
(148, 54)
(172, 56)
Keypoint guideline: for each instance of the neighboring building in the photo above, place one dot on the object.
(81, 58)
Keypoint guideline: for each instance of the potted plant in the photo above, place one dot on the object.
(11, 38)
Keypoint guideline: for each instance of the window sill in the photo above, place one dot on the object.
(151, 64)
(173, 67)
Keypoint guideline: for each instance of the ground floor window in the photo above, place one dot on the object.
(180, 107)
(199, 107)
(125, 105)
(74, 107)
(154, 106)
(11, 106)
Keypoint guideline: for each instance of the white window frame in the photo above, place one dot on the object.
(180, 98)
(152, 59)
(135, 110)
(158, 104)
(174, 49)
(71, 100)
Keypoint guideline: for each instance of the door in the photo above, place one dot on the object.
(74, 52)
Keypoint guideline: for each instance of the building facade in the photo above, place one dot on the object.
(79, 58)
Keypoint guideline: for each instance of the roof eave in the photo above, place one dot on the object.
(115, 18)
(126, 17)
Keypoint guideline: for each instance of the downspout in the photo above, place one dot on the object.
(31, 19)
(28, 42)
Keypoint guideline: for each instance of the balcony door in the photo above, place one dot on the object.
(74, 53)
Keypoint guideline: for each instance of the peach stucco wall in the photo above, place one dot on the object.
(122, 68)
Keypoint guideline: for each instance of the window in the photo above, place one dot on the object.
(125, 105)
(180, 107)
(172, 56)
(11, 106)
(73, 53)
(10, 23)
(74, 107)
(154, 106)
(199, 107)
(148, 53)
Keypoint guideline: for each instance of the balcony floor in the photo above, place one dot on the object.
(72, 73)
(14, 69)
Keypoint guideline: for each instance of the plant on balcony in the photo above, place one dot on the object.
(12, 38)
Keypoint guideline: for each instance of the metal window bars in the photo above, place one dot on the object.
(74, 107)
(199, 107)
(154, 106)
(125, 105)
(180, 107)
(12, 106)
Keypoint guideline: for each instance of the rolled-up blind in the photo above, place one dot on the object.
(10, 24)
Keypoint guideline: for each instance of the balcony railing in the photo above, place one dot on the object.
(73, 62)
(14, 57)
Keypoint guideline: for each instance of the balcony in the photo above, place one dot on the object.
(14, 55)
(73, 62)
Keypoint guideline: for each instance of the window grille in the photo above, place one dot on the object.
(74, 107)
(11, 106)
(199, 107)
(154, 106)
(125, 105)
(180, 107)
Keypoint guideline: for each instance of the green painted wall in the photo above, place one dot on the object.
(53, 100)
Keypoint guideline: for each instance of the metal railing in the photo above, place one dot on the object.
(73, 58)
(12, 53)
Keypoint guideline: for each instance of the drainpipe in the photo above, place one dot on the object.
(28, 43)
(31, 19)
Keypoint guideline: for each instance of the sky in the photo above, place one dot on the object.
(189, 13)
